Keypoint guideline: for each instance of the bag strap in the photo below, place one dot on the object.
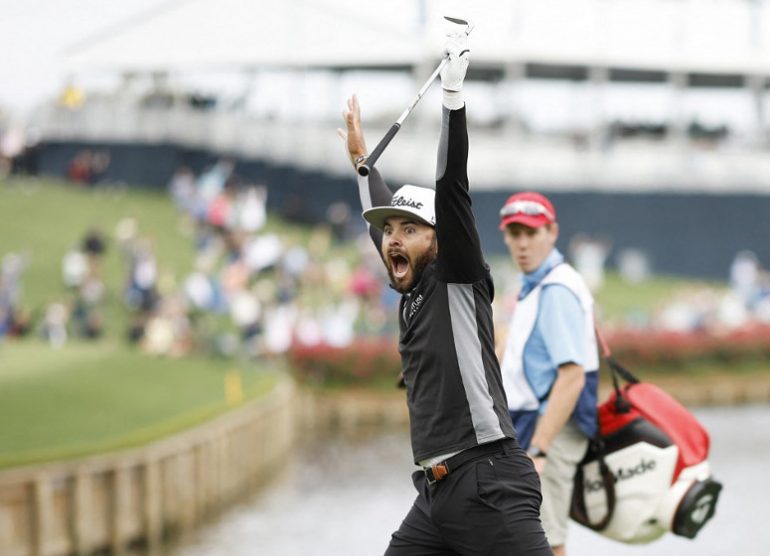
(617, 371)
(578, 510)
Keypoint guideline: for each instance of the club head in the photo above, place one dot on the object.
(457, 21)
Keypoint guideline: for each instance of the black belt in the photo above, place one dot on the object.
(438, 471)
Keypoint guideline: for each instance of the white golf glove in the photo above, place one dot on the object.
(453, 72)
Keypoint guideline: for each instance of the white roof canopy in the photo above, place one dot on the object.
(231, 34)
(713, 36)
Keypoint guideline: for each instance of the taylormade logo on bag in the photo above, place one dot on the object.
(622, 474)
(401, 201)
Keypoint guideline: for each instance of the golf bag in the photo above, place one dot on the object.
(646, 472)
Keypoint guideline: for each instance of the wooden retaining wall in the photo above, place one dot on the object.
(108, 503)
(352, 409)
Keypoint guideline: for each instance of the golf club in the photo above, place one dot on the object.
(365, 168)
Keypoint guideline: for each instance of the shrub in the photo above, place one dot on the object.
(678, 349)
(376, 362)
(367, 362)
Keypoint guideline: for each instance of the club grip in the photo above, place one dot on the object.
(366, 167)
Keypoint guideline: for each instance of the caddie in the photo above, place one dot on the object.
(550, 361)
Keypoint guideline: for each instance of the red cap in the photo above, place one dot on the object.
(527, 208)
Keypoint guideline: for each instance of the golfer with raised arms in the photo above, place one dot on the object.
(478, 492)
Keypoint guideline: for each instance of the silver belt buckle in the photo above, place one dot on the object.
(429, 476)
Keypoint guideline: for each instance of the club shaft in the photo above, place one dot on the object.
(366, 167)
(421, 92)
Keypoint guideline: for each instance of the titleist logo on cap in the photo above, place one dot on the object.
(407, 202)
(401, 201)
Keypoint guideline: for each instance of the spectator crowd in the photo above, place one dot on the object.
(253, 292)
(249, 291)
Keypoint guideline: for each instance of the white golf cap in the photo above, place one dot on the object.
(408, 201)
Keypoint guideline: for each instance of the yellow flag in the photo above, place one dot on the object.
(233, 388)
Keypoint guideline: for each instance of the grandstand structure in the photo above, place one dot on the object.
(627, 108)
(579, 94)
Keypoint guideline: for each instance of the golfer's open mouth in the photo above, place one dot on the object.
(399, 264)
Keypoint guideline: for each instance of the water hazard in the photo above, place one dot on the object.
(345, 495)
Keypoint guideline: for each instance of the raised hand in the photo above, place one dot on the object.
(453, 73)
(353, 135)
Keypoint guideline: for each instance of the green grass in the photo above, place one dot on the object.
(619, 300)
(43, 219)
(90, 398)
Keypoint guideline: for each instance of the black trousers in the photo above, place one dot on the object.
(489, 505)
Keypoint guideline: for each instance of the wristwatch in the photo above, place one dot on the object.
(535, 452)
(360, 160)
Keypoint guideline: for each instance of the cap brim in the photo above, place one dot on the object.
(531, 221)
(378, 215)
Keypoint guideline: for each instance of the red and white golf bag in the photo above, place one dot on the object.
(647, 473)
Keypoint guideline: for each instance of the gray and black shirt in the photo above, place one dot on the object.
(454, 386)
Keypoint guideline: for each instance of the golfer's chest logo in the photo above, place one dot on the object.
(412, 308)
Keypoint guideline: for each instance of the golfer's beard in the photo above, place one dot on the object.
(420, 264)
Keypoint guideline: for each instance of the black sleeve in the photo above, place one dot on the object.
(459, 259)
(374, 192)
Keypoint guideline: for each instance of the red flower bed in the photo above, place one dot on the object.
(366, 362)
(677, 349)
(376, 362)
